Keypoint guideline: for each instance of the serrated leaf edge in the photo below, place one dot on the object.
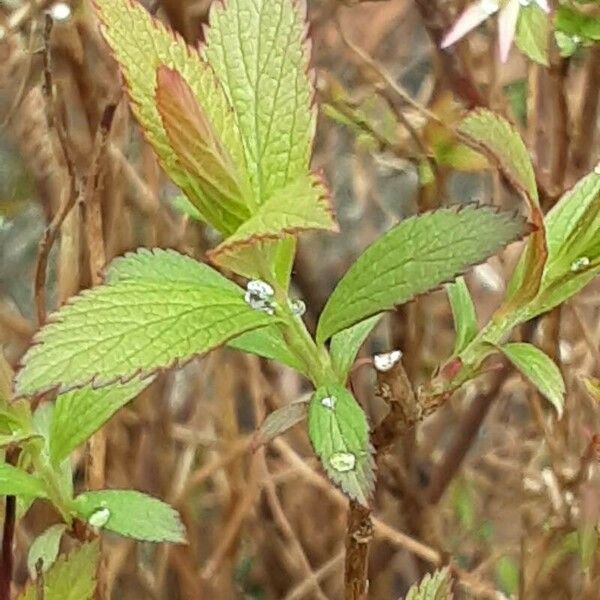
(325, 200)
(527, 229)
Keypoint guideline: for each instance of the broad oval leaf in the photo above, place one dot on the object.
(161, 265)
(532, 33)
(16, 482)
(132, 327)
(339, 433)
(45, 549)
(539, 368)
(141, 45)
(414, 257)
(131, 514)
(71, 577)
(80, 413)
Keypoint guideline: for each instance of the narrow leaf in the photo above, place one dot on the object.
(131, 514)
(197, 145)
(300, 206)
(141, 45)
(414, 257)
(434, 586)
(279, 421)
(539, 368)
(80, 413)
(44, 549)
(71, 577)
(345, 345)
(259, 52)
(132, 327)
(463, 312)
(267, 342)
(573, 245)
(16, 482)
(339, 433)
(501, 142)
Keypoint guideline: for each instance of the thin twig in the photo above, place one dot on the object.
(464, 437)
(322, 572)
(71, 194)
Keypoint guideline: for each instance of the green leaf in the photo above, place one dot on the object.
(434, 586)
(498, 139)
(507, 574)
(573, 245)
(540, 370)
(16, 482)
(71, 577)
(532, 33)
(131, 514)
(158, 265)
(502, 143)
(267, 342)
(258, 51)
(132, 327)
(182, 205)
(302, 205)
(45, 549)
(161, 265)
(576, 23)
(463, 312)
(80, 413)
(141, 45)
(339, 433)
(279, 421)
(345, 345)
(414, 257)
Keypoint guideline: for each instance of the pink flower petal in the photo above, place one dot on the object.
(507, 26)
(472, 17)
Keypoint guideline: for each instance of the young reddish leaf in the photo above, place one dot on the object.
(197, 144)
(141, 44)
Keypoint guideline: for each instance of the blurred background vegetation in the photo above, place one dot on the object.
(492, 482)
